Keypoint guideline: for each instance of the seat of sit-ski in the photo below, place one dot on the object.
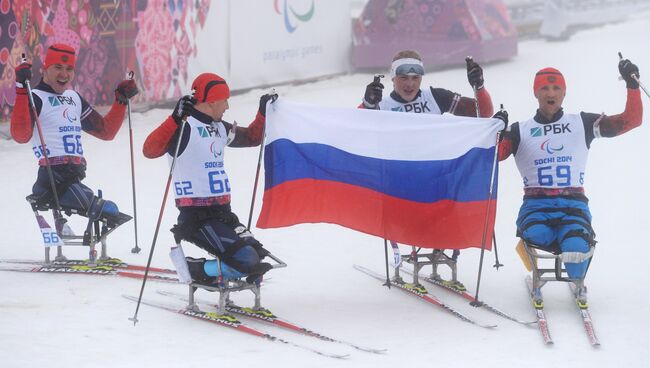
(201, 273)
(553, 248)
(41, 203)
(545, 262)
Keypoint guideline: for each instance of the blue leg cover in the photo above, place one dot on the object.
(229, 273)
(578, 246)
(568, 230)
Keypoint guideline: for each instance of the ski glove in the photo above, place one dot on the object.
(23, 74)
(263, 101)
(503, 116)
(125, 90)
(627, 70)
(184, 108)
(373, 94)
(474, 74)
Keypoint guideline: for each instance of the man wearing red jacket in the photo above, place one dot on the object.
(201, 183)
(63, 114)
(551, 152)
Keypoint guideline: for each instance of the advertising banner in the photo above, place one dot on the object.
(276, 41)
(167, 44)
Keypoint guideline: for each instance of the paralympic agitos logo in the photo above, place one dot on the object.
(69, 115)
(289, 13)
(546, 146)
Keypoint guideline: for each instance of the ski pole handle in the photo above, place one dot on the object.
(469, 60)
(23, 59)
(377, 78)
(28, 84)
(635, 77)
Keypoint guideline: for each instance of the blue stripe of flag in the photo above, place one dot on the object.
(462, 179)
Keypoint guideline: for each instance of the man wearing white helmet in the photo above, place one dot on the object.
(406, 73)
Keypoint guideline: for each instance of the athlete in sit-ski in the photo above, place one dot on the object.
(201, 184)
(406, 73)
(551, 152)
(63, 114)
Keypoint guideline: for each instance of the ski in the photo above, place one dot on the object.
(232, 322)
(267, 316)
(422, 293)
(87, 270)
(583, 307)
(468, 296)
(538, 305)
(112, 262)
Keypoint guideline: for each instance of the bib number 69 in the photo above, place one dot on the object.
(561, 177)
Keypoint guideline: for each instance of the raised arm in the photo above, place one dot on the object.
(106, 127)
(254, 133)
(509, 142)
(158, 141)
(467, 106)
(630, 118)
(373, 94)
(22, 126)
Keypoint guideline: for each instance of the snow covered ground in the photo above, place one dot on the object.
(70, 320)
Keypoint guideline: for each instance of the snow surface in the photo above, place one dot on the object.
(70, 320)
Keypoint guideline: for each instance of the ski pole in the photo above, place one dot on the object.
(59, 221)
(636, 77)
(641, 85)
(160, 215)
(497, 264)
(257, 178)
(257, 171)
(476, 302)
(136, 249)
(377, 79)
(386, 257)
(32, 113)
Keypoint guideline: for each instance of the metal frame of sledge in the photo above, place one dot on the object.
(94, 234)
(546, 265)
(225, 287)
(436, 258)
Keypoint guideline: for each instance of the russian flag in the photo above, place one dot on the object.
(418, 179)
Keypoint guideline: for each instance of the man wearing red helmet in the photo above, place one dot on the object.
(551, 152)
(63, 114)
(201, 183)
